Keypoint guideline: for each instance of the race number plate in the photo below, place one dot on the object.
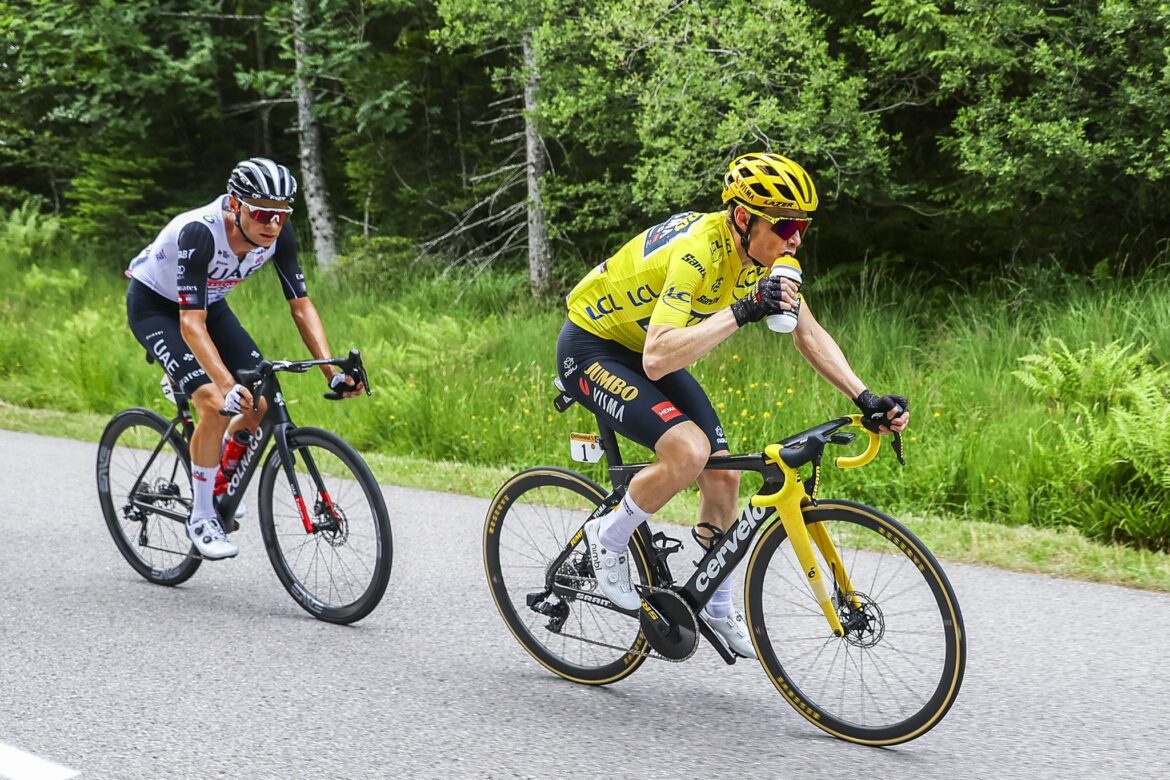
(585, 447)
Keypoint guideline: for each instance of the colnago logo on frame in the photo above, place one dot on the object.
(246, 461)
(730, 545)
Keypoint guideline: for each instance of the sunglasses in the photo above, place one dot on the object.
(266, 215)
(784, 227)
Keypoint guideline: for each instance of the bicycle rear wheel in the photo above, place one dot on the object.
(144, 488)
(529, 523)
(339, 571)
(898, 668)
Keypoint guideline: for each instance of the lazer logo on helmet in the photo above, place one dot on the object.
(732, 543)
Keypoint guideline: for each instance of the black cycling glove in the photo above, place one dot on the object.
(873, 409)
(759, 303)
(342, 382)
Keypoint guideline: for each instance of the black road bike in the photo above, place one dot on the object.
(850, 615)
(322, 516)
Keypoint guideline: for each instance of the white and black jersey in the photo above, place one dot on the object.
(190, 262)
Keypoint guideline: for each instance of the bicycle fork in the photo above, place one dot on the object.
(788, 502)
(288, 462)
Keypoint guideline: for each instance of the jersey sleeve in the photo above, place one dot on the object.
(288, 267)
(684, 274)
(196, 249)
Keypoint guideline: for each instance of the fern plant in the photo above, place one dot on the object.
(1110, 470)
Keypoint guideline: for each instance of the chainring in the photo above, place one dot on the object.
(668, 623)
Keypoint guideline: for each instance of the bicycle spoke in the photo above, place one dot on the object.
(532, 533)
(334, 566)
(888, 666)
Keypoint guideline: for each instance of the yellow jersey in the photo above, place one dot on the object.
(677, 273)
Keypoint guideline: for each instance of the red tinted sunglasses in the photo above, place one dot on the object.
(784, 227)
(266, 215)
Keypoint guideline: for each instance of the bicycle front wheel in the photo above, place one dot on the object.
(144, 488)
(529, 524)
(337, 569)
(898, 668)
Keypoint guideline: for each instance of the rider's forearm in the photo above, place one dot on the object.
(193, 327)
(312, 331)
(670, 348)
(822, 353)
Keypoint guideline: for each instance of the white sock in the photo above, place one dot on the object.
(203, 482)
(720, 604)
(619, 525)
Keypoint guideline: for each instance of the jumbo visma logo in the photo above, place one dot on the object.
(613, 384)
(609, 391)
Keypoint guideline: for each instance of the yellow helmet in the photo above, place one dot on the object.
(767, 180)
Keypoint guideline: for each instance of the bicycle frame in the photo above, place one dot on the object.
(274, 426)
(782, 494)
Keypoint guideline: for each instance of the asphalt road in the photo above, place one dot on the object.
(225, 676)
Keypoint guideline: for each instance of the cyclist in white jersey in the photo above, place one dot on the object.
(175, 306)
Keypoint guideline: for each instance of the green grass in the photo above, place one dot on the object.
(461, 368)
(1061, 552)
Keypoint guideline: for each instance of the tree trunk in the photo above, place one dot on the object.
(539, 255)
(312, 175)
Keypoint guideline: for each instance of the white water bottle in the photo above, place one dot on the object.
(785, 321)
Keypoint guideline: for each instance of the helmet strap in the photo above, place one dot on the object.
(745, 237)
(240, 228)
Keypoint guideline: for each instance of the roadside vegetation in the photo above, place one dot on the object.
(1038, 399)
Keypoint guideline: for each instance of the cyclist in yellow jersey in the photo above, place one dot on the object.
(665, 299)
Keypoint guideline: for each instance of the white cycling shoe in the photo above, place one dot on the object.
(732, 630)
(612, 570)
(209, 539)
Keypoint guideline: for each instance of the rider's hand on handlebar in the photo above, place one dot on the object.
(887, 414)
(773, 294)
(236, 400)
(344, 385)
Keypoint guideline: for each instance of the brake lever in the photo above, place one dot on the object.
(899, 450)
(355, 370)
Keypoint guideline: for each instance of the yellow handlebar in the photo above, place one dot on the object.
(856, 461)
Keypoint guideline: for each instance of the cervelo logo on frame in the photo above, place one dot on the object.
(748, 520)
(666, 410)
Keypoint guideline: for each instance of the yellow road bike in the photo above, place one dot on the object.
(851, 617)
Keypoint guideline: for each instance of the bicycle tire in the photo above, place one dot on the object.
(121, 459)
(561, 499)
(373, 530)
(888, 567)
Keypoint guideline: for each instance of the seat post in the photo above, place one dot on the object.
(609, 444)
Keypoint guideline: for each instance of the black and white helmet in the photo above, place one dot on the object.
(260, 177)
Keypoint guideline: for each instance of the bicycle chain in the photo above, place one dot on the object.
(649, 652)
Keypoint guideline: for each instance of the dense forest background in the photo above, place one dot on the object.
(991, 241)
(951, 139)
